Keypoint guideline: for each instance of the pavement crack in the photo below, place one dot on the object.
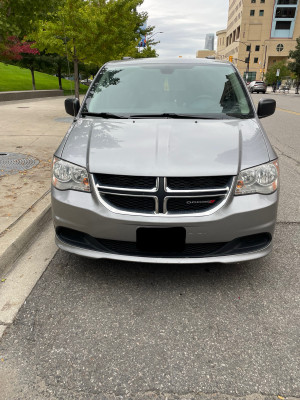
(287, 223)
(4, 323)
(281, 153)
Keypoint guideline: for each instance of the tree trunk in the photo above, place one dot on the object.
(59, 77)
(32, 78)
(76, 75)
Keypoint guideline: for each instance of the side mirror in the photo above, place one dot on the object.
(72, 106)
(266, 107)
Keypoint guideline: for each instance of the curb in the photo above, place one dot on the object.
(16, 239)
(29, 94)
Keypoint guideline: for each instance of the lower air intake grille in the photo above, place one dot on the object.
(240, 245)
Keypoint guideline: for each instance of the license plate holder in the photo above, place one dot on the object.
(164, 240)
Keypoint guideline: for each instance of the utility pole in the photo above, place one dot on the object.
(248, 60)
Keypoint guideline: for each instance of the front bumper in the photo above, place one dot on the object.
(240, 216)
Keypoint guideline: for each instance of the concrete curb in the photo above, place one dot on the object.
(30, 94)
(16, 239)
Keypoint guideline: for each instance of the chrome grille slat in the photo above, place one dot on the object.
(161, 200)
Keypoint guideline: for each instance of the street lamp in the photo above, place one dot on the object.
(144, 41)
(151, 36)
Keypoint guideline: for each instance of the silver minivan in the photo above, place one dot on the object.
(166, 161)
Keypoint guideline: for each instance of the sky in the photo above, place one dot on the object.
(184, 24)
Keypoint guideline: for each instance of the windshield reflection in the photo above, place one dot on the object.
(163, 89)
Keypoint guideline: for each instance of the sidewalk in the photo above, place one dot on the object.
(31, 128)
(290, 92)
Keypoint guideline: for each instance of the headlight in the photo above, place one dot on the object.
(262, 179)
(69, 176)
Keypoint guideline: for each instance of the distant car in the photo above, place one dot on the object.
(257, 86)
(86, 82)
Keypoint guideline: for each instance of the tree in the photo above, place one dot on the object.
(294, 66)
(271, 76)
(19, 17)
(23, 55)
(91, 31)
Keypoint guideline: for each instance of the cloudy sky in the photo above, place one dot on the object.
(185, 24)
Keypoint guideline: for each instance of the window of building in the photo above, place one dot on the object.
(283, 25)
(262, 1)
(248, 48)
(287, 2)
(255, 60)
(253, 1)
(252, 13)
(257, 48)
(285, 12)
(261, 13)
(246, 60)
(249, 76)
(279, 47)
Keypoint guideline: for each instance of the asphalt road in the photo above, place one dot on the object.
(116, 330)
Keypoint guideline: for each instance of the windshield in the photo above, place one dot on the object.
(143, 90)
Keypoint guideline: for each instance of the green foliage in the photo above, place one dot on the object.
(294, 66)
(271, 73)
(19, 17)
(15, 78)
(146, 52)
(93, 31)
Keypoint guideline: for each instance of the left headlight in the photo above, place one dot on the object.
(262, 179)
(66, 176)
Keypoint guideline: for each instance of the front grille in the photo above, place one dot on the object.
(242, 245)
(130, 203)
(126, 181)
(194, 204)
(194, 183)
(160, 195)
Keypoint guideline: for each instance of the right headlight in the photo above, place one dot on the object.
(68, 176)
(262, 179)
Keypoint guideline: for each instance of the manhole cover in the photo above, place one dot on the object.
(12, 163)
(66, 119)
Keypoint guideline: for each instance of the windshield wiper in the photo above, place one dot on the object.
(102, 115)
(173, 115)
(239, 116)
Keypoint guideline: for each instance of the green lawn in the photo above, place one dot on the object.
(15, 78)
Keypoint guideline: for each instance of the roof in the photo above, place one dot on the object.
(159, 60)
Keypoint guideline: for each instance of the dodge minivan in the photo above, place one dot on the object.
(166, 161)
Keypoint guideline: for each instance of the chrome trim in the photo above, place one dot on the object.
(112, 208)
(152, 190)
(116, 210)
(229, 192)
(199, 213)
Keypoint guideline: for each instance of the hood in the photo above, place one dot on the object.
(166, 147)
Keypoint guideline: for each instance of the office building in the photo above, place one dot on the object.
(259, 33)
(210, 41)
